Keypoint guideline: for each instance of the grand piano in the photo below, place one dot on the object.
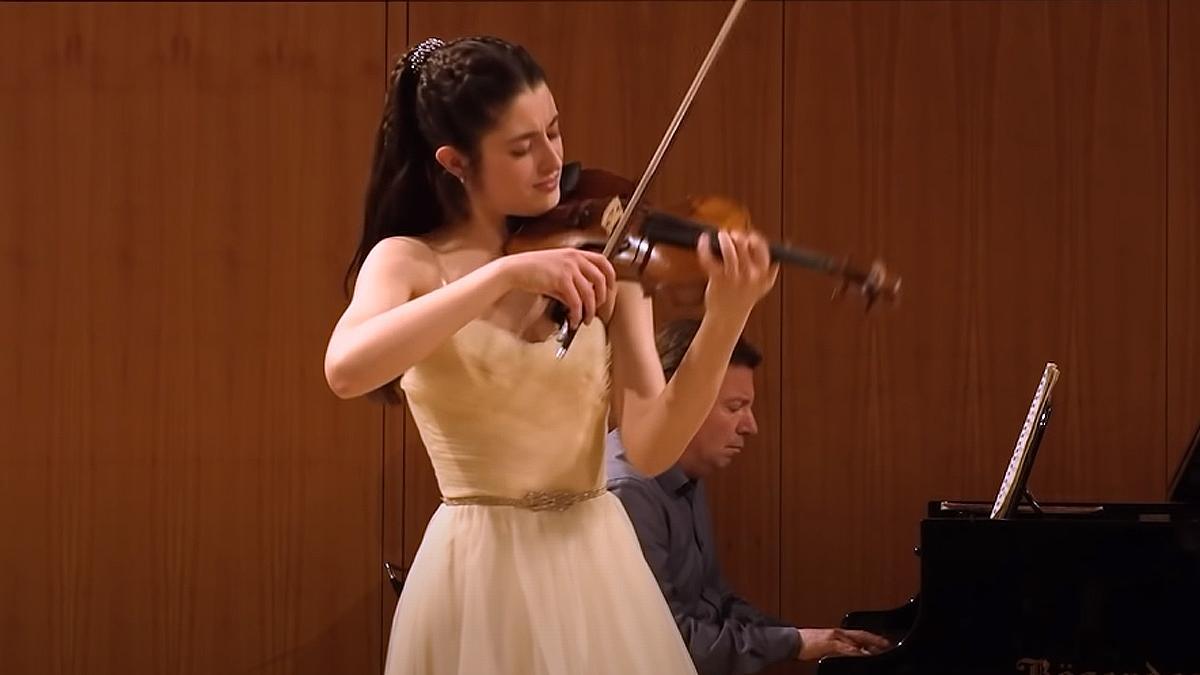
(1015, 587)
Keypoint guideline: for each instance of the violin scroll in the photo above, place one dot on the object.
(873, 284)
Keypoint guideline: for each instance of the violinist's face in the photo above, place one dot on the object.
(521, 157)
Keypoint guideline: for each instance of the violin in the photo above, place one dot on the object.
(658, 249)
(601, 211)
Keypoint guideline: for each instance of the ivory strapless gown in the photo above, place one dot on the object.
(509, 589)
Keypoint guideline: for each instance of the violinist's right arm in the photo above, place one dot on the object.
(400, 311)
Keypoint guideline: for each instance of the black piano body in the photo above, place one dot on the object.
(1074, 589)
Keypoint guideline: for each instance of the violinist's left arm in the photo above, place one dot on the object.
(656, 418)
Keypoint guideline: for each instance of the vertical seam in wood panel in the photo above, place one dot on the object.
(383, 474)
(404, 412)
(1166, 145)
(383, 511)
(782, 286)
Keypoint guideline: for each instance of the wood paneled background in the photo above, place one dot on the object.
(178, 491)
(180, 190)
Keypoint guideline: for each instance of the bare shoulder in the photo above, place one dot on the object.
(402, 263)
(396, 270)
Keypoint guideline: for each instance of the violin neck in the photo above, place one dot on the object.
(664, 228)
(804, 258)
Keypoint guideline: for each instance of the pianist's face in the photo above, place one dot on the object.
(723, 434)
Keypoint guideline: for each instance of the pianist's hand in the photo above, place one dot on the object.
(817, 643)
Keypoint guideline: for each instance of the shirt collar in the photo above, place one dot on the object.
(675, 481)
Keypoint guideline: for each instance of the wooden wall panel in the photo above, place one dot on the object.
(1183, 233)
(179, 190)
(618, 76)
(1007, 159)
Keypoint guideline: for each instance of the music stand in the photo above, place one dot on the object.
(1013, 489)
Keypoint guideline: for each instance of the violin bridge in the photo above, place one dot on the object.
(612, 215)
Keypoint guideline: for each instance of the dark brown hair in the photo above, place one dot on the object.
(675, 338)
(439, 93)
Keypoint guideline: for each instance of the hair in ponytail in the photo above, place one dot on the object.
(439, 93)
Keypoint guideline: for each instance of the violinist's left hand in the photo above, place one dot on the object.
(743, 274)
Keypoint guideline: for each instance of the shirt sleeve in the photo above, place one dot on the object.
(732, 645)
(738, 607)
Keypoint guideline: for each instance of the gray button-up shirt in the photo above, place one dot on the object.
(723, 632)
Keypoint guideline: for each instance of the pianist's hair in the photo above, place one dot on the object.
(675, 338)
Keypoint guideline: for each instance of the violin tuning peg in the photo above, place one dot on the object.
(871, 298)
(839, 290)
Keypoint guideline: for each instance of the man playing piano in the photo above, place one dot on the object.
(723, 632)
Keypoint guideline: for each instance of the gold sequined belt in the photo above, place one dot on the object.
(558, 500)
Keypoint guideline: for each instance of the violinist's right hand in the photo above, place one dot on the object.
(582, 280)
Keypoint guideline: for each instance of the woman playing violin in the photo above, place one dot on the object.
(528, 566)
